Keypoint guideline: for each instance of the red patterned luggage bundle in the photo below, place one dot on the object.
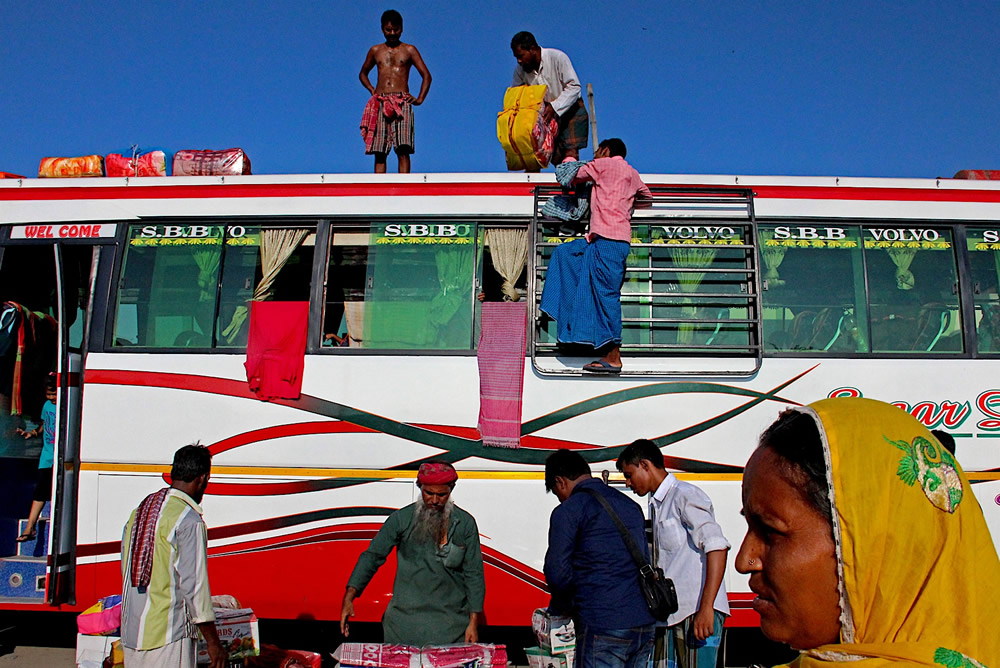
(979, 174)
(153, 163)
(86, 165)
(231, 162)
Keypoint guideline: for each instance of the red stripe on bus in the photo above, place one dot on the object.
(274, 190)
(277, 190)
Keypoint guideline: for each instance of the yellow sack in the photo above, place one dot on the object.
(526, 138)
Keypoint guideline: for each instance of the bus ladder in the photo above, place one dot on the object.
(691, 298)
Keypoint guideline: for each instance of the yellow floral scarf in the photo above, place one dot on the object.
(919, 574)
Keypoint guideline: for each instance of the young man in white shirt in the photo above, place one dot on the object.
(551, 67)
(689, 546)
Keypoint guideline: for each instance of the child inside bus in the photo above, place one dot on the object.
(43, 482)
(387, 121)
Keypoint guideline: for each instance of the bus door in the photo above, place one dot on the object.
(46, 300)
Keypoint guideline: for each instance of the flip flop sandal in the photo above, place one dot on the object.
(25, 537)
(602, 367)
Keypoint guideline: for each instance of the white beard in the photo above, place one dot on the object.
(430, 525)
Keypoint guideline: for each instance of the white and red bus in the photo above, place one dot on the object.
(743, 295)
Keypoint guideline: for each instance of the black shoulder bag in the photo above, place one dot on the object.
(657, 589)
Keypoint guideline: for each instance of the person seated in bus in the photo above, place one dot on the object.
(387, 121)
(439, 590)
(865, 543)
(43, 481)
(583, 284)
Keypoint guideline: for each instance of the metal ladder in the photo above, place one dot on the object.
(691, 299)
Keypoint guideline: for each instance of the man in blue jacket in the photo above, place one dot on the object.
(589, 570)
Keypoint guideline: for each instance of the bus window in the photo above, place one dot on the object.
(168, 286)
(288, 255)
(401, 286)
(984, 259)
(170, 296)
(913, 290)
(813, 288)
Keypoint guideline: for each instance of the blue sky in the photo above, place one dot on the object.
(849, 88)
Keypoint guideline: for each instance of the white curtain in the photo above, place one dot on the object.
(509, 250)
(276, 246)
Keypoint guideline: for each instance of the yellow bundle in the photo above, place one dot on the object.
(526, 138)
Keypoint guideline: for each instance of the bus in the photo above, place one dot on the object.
(743, 295)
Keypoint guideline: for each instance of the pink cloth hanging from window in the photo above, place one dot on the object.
(501, 372)
(276, 348)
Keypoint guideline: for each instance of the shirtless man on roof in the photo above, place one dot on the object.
(388, 118)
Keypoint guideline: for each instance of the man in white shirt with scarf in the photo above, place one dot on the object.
(689, 546)
(551, 67)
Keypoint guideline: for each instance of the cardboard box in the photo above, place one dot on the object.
(555, 635)
(91, 650)
(237, 631)
(539, 658)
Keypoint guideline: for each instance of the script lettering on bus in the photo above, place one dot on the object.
(991, 236)
(61, 232)
(188, 232)
(947, 413)
(822, 233)
(989, 404)
(908, 234)
(697, 232)
(427, 230)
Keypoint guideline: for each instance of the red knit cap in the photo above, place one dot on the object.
(436, 473)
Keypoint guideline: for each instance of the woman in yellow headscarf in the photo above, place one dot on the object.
(865, 543)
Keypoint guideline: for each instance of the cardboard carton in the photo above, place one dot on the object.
(539, 658)
(237, 631)
(555, 634)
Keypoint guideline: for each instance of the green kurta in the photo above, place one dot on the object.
(436, 587)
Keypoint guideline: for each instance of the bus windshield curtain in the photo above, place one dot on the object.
(276, 246)
(501, 372)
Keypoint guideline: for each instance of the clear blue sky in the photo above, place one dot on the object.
(846, 88)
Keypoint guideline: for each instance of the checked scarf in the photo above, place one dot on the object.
(143, 537)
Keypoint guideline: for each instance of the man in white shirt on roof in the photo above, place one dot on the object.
(689, 546)
(551, 67)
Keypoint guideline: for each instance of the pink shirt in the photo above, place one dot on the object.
(616, 185)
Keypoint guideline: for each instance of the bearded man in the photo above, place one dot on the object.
(439, 588)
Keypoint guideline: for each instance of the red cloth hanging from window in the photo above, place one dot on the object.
(276, 348)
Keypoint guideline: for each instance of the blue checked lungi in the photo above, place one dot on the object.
(582, 291)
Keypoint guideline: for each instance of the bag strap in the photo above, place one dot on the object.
(633, 549)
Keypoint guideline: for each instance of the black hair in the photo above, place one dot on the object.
(523, 40)
(566, 464)
(795, 438)
(393, 17)
(190, 462)
(50, 382)
(638, 450)
(945, 439)
(615, 145)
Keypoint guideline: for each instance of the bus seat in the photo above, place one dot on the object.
(191, 339)
(932, 325)
(802, 328)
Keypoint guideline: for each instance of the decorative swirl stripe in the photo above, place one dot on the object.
(458, 443)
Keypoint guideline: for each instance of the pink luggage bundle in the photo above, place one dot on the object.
(153, 163)
(230, 162)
